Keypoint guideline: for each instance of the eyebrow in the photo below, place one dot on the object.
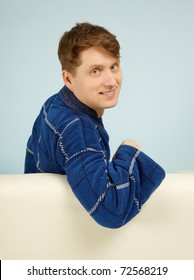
(117, 61)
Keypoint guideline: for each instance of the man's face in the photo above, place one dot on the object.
(97, 81)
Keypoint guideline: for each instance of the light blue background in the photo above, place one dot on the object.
(156, 105)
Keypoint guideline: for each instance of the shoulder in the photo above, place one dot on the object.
(80, 127)
(72, 127)
(80, 134)
(58, 115)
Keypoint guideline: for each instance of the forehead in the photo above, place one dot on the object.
(96, 55)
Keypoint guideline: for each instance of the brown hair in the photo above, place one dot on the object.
(81, 37)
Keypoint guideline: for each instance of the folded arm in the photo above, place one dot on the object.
(112, 192)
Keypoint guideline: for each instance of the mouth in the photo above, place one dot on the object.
(108, 93)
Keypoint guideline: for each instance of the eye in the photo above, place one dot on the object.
(115, 67)
(95, 71)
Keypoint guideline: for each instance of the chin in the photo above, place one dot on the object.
(111, 105)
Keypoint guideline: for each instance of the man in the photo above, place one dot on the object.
(69, 138)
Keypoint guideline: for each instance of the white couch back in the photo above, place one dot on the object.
(41, 219)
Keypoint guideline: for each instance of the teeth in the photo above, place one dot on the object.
(107, 93)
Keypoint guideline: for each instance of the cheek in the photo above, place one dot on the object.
(120, 77)
(121, 81)
(78, 85)
(93, 84)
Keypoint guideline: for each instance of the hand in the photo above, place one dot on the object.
(131, 143)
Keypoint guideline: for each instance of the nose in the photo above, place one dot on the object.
(110, 79)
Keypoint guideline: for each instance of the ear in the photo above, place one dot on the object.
(67, 78)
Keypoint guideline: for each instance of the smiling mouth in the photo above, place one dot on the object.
(108, 93)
